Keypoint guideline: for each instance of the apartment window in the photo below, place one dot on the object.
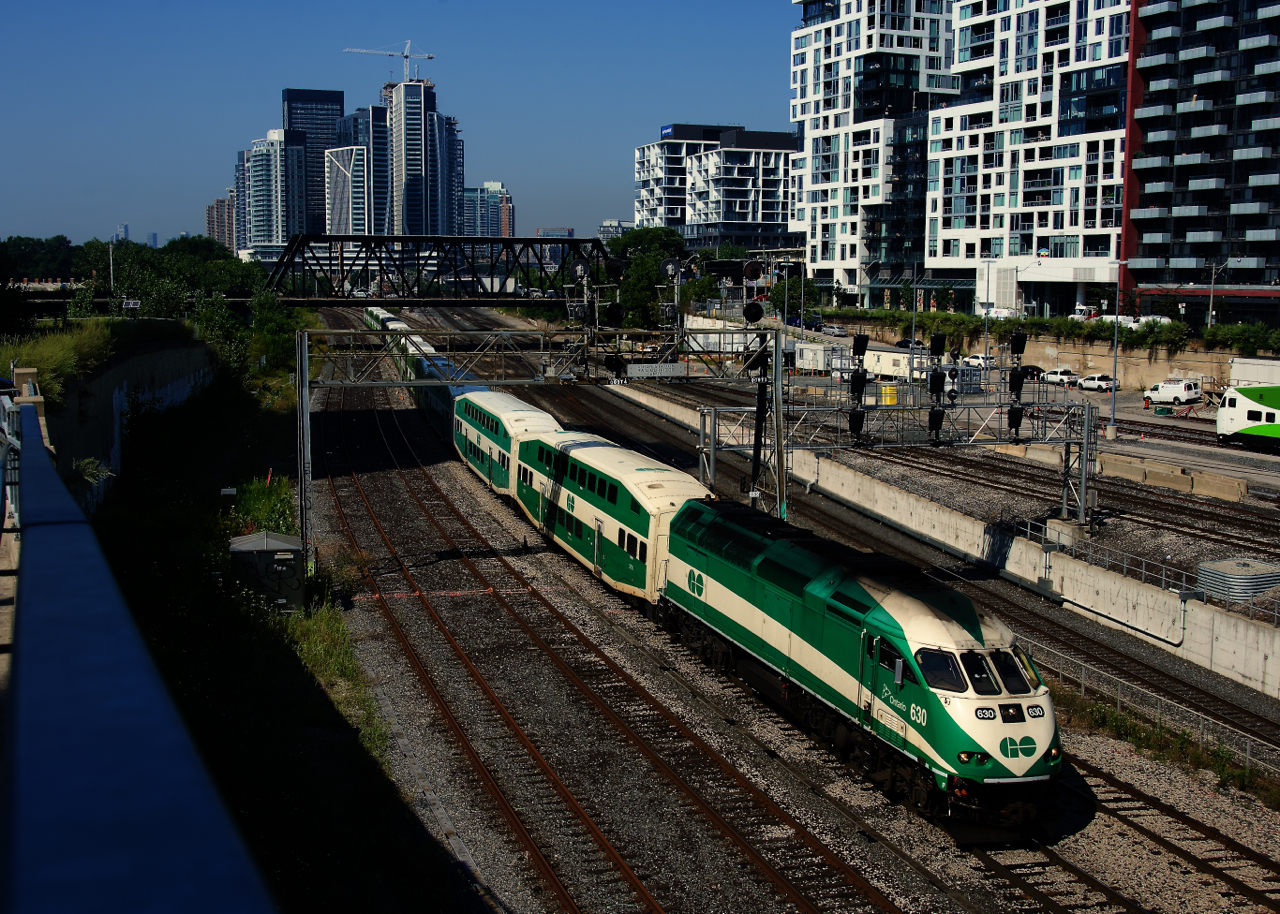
(1095, 51)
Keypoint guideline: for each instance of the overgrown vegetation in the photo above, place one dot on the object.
(1178, 747)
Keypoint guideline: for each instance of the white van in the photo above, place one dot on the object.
(1173, 390)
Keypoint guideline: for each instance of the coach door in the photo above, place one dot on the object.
(596, 546)
(488, 470)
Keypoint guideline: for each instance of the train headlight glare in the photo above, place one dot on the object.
(1053, 754)
(965, 757)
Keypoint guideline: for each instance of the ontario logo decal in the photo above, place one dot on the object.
(1012, 747)
(695, 583)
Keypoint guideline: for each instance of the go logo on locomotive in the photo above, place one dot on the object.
(695, 583)
(1011, 747)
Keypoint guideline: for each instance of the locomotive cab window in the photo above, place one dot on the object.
(1231, 403)
(889, 656)
(1015, 683)
(979, 673)
(941, 670)
(1271, 417)
(1027, 667)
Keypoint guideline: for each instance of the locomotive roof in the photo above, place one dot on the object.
(518, 416)
(895, 594)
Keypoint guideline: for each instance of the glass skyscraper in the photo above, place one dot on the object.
(315, 111)
(367, 127)
(426, 164)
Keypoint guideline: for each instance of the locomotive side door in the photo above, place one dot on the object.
(595, 550)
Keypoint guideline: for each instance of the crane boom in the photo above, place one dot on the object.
(405, 55)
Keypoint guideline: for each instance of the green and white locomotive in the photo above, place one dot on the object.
(931, 695)
(1247, 415)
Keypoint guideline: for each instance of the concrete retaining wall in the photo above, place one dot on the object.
(1168, 476)
(91, 424)
(1231, 645)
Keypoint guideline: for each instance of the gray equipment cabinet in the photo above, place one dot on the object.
(273, 563)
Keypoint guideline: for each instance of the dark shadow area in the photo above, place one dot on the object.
(327, 827)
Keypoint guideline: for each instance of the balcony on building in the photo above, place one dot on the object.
(1250, 208)
(1203, 237)
(1186, 263)
(1198, 104)
(1206, 183)
(1160, 136)
(1215, 22)
(1142, 162)
(1255, 42)
(1251, 152)
(1146, 263)
(1269, 12)
(1196, 53)
(1191, 158)
(1211, 76)
(1255, 98)
(1158, 187)
(1150, 212)
(1263, 234)
(1264, 180)
(1267, 67)
(1156, 60)
(1157, 238)
(1189, 211)
(1154, 111)
(1155, 9)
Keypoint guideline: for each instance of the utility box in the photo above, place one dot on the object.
(272, 563)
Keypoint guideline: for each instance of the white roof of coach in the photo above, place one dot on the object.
(655, 485)
(519, 417)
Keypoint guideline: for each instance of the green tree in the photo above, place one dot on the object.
(789, 292)
(638, 291)
(14, 319)
(666, 242)
(945, 298)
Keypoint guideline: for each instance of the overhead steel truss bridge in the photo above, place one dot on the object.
(433, 266)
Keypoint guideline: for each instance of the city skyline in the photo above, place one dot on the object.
(155, 150)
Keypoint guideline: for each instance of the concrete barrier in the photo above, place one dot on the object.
(1043, 453)
(1167, 477)
(1231, 645)
(1226, 488)
(1013, 450)
(1129, 471)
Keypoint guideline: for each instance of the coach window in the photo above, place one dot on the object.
(1254, 415)
(613, 494)
(644, 551)
(541, 455)
(1271, 417)
(591, 481)
(622, 538)
(941, 670)
(577, 528)
(631, 545)
(600, 488)
(635, 505)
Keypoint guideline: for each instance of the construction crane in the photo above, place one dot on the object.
(403, 54)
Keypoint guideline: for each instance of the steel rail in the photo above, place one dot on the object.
(856, 880)
(1120, 665)
(1205, 831)
(571, 802)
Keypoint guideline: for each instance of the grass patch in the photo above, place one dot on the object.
(1157, 741)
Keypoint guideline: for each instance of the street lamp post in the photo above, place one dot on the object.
(986, 319)
(1115, 352)
(1214, 270)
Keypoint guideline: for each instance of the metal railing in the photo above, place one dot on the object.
(110, 808)
(1194, 727)
(1156, 574)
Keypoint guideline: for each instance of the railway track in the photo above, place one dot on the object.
(1068, 641)
(1037, 872)
(767, 841)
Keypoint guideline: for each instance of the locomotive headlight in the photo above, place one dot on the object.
(983, 758)
(1053, 754)
(965, 757)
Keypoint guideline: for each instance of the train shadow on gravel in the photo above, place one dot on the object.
(1072, 815)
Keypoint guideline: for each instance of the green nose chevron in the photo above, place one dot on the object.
(1011, 747)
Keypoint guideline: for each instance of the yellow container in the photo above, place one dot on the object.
(889, 395)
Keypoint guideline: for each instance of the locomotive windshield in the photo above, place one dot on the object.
(1010, 673)
(979, 673)
(941, 670)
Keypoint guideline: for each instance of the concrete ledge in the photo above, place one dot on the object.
(1013, 450)
(1226, 488)
(1112, 460)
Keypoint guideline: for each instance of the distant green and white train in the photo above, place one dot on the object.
(1247, 415)
(931, 695)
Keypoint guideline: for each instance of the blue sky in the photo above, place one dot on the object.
(133, 112)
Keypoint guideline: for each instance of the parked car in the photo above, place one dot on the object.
(1032, 372)
(978, 360)
(833, 330)
(1097, 382)
(910, 344)
(1173, 390)
(360, 293)
(1062, 377)
(813, 323)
